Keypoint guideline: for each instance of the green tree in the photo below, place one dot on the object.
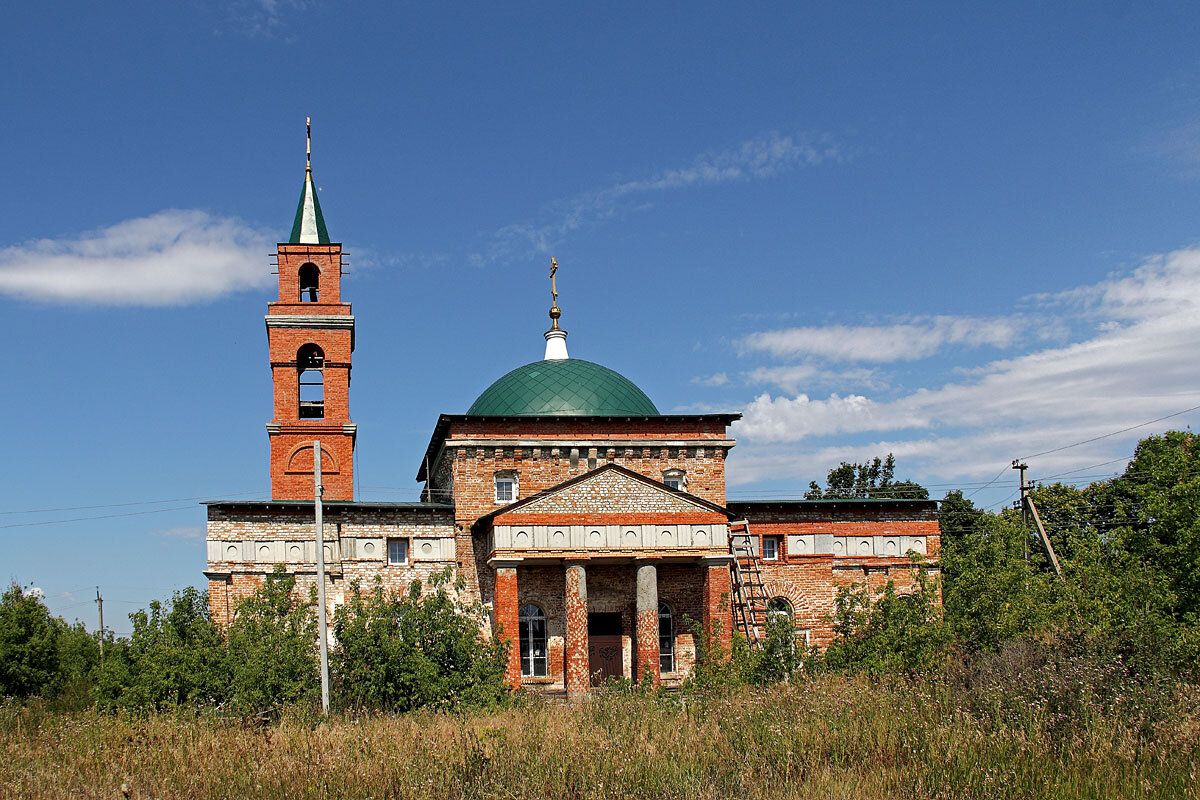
(176, 656)
(401, 651)
(29, 657)
(958, 516)
(273, 648)
(892, 632)
(997, 585)
(874, 479)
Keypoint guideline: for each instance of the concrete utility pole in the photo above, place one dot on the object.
(100, 606)
(322, 629)
(1027, 508)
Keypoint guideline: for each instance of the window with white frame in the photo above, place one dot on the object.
(532, 624)
(771, 545)
(666, 639)
(397, 551)
(676, 479)
(506, 487)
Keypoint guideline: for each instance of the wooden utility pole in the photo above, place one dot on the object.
(322, 629)
(1027, 508)
(100, 606)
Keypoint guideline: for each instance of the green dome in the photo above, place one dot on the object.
(566, 387)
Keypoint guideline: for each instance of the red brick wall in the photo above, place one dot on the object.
(326, 257)
(810, 582)
(288, 480)
(540, 468)
(507, 616)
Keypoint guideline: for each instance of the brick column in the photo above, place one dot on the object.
(646, 627)
(715, 614)
(507, 615)
(578, 677)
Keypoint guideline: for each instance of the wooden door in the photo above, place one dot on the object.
(604, 647)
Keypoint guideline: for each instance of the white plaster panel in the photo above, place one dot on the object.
(430, 548)
(631, 537)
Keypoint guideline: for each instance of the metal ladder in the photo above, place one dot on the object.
(749, 598)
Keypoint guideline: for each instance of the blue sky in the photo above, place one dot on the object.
(962, 234)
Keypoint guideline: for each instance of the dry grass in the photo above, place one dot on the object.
(832, 737)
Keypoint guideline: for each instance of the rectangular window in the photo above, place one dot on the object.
(770, 548)
(533, 647)
(672, 483)
(397, 551)
(504, 490)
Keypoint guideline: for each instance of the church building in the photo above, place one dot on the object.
(594, 528)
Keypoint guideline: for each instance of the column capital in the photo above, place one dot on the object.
(577, 561)
(716, 560)
(504, 563)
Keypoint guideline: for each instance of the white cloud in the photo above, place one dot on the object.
(790, 378)
(719, 379)
(190, 532)
(172, 257)
(761, 157)
(906, 341)
(1137, 364)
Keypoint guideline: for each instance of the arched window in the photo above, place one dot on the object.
(779, 608)
(310, 283)
(676, 479)
(666, 639)
(533, 641)
(310, 363)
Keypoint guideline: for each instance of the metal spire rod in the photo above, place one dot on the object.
(308, 146)
(555, 313)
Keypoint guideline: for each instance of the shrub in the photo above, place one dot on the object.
(273, 648)
(29, 657)
(893, 632)
(402, 651)
(175, 657)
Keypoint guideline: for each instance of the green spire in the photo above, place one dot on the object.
(309, 227)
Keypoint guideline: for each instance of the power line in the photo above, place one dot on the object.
(99, 516)
(136, 503)
(1107, 435)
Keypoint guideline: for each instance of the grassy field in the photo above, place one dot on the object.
(829, 737)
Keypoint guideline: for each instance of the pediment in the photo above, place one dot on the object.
(609, 492)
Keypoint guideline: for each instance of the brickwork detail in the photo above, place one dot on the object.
(294, 324)
(610, 493)
(647, 623)
(507, 616)
(578, 677)
(716, 618)
(478, 449)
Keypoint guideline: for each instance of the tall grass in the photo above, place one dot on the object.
(829, 737)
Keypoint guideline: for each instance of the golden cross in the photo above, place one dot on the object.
(553, 284)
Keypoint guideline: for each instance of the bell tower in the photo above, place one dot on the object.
(310, 336)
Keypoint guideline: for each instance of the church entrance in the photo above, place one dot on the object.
(604, 647)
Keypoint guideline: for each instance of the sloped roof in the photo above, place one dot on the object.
(309, 226)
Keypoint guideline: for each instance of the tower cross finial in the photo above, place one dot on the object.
(555, 313)
(308, 145)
